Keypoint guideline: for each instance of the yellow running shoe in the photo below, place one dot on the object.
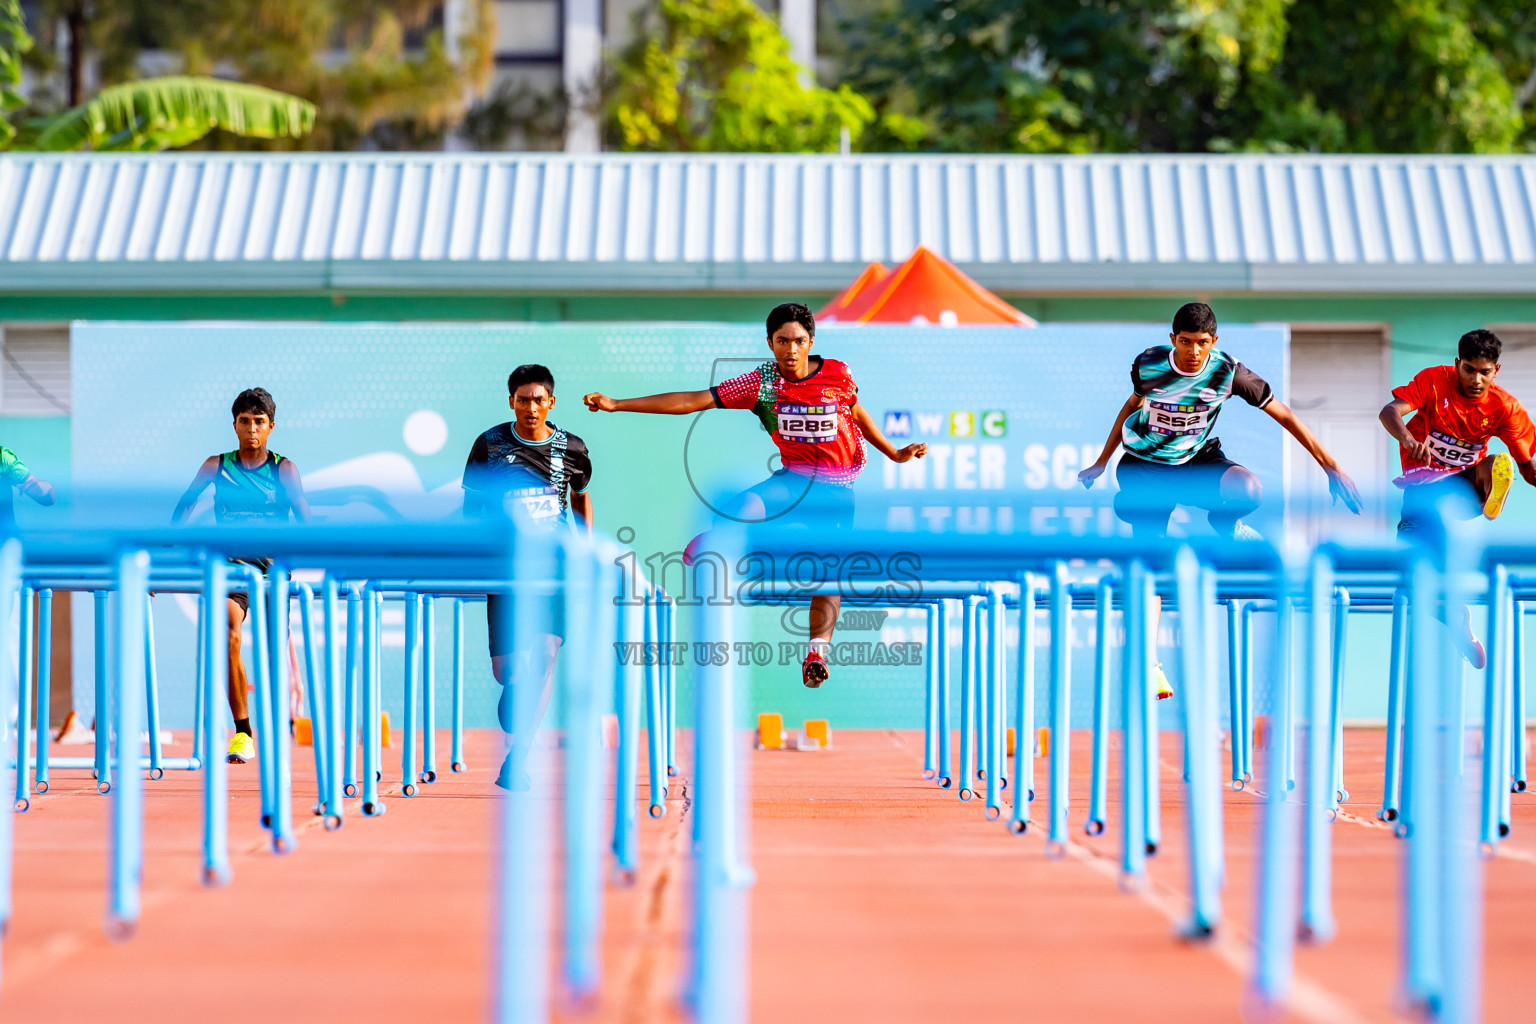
(1503, 474)
(1164, 690)
(241, 749)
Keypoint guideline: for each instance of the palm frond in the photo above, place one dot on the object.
(163, 113)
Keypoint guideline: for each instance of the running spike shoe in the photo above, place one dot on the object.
(241, 748)
(814, 671)
(1164, 690)
(1503, 474)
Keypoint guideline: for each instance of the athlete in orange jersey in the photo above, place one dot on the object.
(1444, 448)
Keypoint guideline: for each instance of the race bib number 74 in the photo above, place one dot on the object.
(1451, 451)
(807, 423)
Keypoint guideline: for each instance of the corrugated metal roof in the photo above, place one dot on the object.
(541, 222)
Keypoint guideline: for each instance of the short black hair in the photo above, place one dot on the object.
(791, 312)
(1194, 317)
(530, 373)
(254, 400)
(1480, 344)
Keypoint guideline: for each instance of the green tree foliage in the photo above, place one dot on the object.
(1194, 75)
(14, 42)
(716, 75)
(378, 70)
(168, 113)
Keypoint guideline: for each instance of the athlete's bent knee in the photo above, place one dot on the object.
(1240, 487)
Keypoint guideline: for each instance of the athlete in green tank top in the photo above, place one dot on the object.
(250, 484)
(15, 475)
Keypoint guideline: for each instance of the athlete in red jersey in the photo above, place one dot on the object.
(810, 406)
(1444, 448)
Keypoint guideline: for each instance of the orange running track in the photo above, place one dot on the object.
(879, 898)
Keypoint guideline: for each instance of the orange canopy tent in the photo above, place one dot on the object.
(926, 289)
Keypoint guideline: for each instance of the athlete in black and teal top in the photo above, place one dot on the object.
(250, 484)
(1165, 427)
(531, 471)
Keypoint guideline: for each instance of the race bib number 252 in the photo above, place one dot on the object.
(1167, 418)
(807, 423)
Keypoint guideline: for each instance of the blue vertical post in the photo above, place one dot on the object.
(521, 993)
(1246, 663)
(126, 866)
(968, 699)
(655, 704)
(428, 688)
(1275, 925)
(586, 675)
(1024, 736)
(355, 658)
(1098, 790)
(1235, 624)
(312, 687)
(1423, 928)
(985, 680)
(369, 685)
(946, 764)
(214, 625)
(931, 696)
(1517, 702)
(103, 729)
(1203, 812)
(720, 983)
(458, 685)
(23, 700)
(1152, 748)
(668, 611)
(1336, 791)
(1392, 776)
(152, 691)
(10, 582)
(330, 797)
(45, 684)
(264, 719)
(995, 675)
(1134, 684)
(1316, 923)
(1495, 692)
(1459, 889)
(626, 845)
(1211, 711)
(408, 772)
(277, 675)
(1061, 703)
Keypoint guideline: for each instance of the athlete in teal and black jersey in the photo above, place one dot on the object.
(1165, 428)
(1171, 459)
(250, 484)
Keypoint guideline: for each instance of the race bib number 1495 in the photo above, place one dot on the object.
(1452, 451)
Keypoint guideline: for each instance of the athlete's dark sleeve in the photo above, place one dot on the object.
(580, 473)
(1140, 385)
(1251, 388)
(474, 477)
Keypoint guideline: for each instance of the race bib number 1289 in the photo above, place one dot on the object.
(807, 423)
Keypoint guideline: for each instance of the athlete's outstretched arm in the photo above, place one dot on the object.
(581, 504)
(673, 403)
(867, 427)
(1093, 472)
(38, 489)
(1339, 483)
(293, 486)
(196, 488)
(1391, 417)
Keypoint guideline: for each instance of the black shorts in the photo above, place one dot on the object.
(1149, 491)
(1421, 502)
(500, 633)
(242, 599)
